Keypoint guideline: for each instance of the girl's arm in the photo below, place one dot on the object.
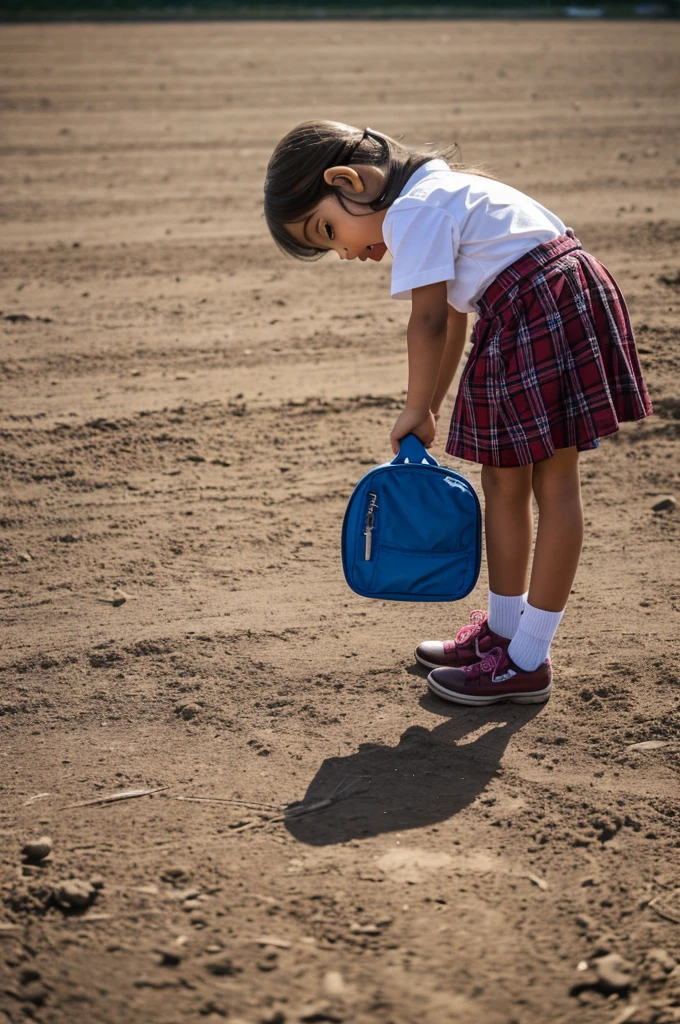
(456, 333)
(426, 338)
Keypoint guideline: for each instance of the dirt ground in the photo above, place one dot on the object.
(184, 414)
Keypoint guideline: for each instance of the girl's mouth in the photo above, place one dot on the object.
(376, 251)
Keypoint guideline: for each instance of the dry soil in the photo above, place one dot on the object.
(184, 414)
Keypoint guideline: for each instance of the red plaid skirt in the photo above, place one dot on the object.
(553, 363)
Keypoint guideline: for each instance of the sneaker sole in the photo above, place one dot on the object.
(535, 697)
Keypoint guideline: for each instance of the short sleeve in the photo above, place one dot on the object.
(423, 241)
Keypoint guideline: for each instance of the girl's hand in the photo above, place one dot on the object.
(411, 422)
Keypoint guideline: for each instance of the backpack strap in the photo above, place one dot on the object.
(413, 451)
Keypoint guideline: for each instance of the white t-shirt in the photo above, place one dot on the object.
(460, 228)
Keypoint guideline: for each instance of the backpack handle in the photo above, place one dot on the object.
(413, 452)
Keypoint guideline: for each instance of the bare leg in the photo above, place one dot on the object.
(508, 527)
(557, 487)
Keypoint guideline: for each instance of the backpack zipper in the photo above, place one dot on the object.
(370, 525)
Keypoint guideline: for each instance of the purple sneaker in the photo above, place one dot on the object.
(492, 679)
(472, 642)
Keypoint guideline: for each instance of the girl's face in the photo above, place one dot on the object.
(331, 226)
(353, 233)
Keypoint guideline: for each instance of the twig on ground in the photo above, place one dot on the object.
(297, 813)
(128, 794)
(344, 789)
(537, 880)
(32, 799)
(348, 787)
(107, 847)
(272, 940)
(301, 810)
(251, 824)
(223, 800)
(626, 1014)
(662, 911)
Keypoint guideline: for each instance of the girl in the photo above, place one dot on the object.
(553, 365)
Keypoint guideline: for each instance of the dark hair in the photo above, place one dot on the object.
(294, 184)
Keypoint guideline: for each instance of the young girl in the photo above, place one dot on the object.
(553, 365)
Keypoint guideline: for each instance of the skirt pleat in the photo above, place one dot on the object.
(553, 364)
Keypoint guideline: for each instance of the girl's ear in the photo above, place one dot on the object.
(354, 181)
(344, 178)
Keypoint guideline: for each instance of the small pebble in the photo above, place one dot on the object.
(272, 1017)
(659, 963)
(28, 974)
(272, 940)
(190, 905)
(168, 957)
(37, 849)
(666, 504)
(190, 711)
(35, 992)
(321, 1011)
(221, 966)
(614, 973)
(269, 962)
(364, 929)
(75, 894)
(215, 1010)
(174, 872)
(334, 985)
(180, 895)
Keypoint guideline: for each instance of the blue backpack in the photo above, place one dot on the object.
(412, 530)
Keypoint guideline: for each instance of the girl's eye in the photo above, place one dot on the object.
(329, 230)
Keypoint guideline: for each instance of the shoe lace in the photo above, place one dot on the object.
(472, 628)
(486, 666)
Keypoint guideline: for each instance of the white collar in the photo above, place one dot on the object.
(423, 171)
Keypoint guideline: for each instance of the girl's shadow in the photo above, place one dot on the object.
(428, 777)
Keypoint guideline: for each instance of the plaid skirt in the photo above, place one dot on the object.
(553, 363)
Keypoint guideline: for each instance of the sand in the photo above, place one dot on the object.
(184, 414)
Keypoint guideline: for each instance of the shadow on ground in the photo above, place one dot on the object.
(428, 777)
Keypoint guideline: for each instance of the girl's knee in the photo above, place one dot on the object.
(557, 478)
(511, 484)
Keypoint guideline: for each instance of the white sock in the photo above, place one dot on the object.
(530, 644)
(505, 613)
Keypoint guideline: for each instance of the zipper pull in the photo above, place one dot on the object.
(370, 524)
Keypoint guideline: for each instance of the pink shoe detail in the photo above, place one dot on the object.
(472, 642)
(493, 678)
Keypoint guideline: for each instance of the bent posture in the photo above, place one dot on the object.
(553, 365)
